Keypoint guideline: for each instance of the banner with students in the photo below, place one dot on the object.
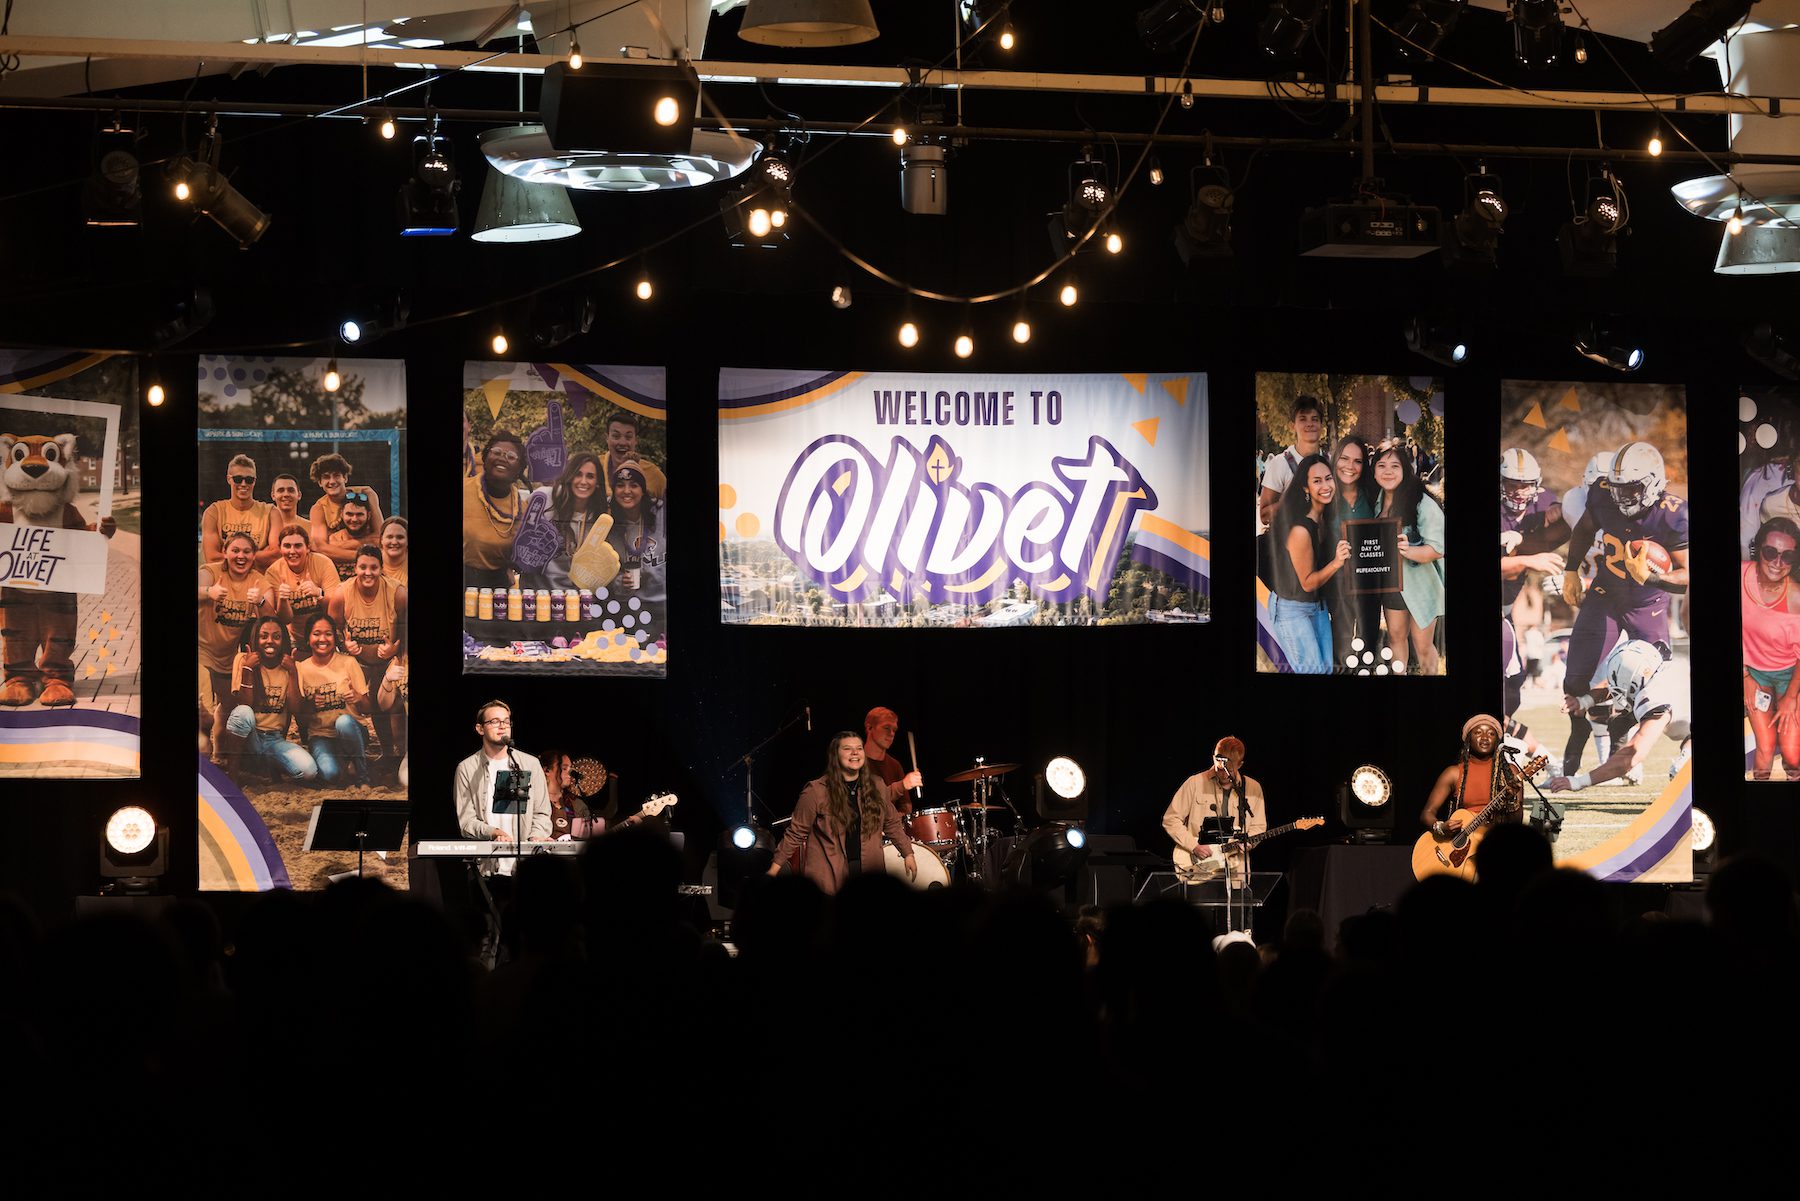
(890, 499)
(1593, 631)
(70, 695)
(1768, 551)
(302, 551)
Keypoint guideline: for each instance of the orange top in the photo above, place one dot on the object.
(1478, 784)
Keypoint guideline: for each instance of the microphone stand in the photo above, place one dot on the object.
(748, 761)
(1549, 815)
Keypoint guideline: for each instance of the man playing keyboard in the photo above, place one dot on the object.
(476, 776)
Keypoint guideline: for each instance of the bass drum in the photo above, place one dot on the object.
(931, 869)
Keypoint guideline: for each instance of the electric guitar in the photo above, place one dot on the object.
(583, 827)
(1454, 854)
(1192, 871)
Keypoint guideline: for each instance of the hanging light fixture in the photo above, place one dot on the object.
(332, 380)
(513, 210)
(806, 23)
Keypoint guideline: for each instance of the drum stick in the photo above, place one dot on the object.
(913, 749)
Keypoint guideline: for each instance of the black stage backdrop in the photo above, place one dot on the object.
(1138, 707)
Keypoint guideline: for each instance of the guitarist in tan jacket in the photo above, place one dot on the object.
(1220, 791)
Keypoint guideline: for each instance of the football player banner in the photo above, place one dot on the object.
(853, 498)
(303, 546)
(1594, 646)
(564, 520)
(1768, 549)
(69, 565)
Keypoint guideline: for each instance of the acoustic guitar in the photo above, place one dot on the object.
(1454, 854)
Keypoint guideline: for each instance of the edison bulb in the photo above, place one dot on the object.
(965, 346)
(500, 344)
(759, 223)
(909, 335)
(1021, 331)
(1114, 243)
(1068, 296)
(644, 290)
(156, 395)
(667, 111)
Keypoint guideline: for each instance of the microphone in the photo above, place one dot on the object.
(809, 719)
(1506, 748)
(574, 774)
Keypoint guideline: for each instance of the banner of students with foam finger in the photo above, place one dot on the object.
(1594, 644)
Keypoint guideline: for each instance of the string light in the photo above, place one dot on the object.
(155, 394)
(1006, 36)
(965, 345)
(1735, 226)
(574, 55)
(1581, 51)
(644, 290)
(1021, 331)
(909, 335)
(900, 135)
(1068, 295)
(1156, 174)
(333, 381)
(1114, 243)
(667, 111)
(1655, 146)
(500, 343)
(385, 126)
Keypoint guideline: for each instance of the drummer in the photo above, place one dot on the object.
(879, 728)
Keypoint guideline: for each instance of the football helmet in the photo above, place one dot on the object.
(1520, 480)
(1636, 478)
(1629, 668)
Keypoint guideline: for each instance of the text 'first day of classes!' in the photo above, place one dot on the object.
(944, 407)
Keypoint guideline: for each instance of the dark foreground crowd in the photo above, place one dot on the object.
(1515, 1037)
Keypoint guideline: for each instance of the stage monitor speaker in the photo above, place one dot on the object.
(616, 107)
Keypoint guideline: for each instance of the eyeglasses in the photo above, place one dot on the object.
(243, 480)
(498, 721)
(1769, 554)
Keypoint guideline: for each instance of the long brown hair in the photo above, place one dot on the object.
(868, 789)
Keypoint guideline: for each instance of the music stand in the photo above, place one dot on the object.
(355, 824)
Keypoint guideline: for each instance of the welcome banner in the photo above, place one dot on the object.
(894, 499)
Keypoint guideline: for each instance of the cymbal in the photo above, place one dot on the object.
(981, 771)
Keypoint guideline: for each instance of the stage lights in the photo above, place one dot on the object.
(841, 297)
(924, 178)
(427, 202)
(1438, 341)
(200, 183)
(1537, 33)
(555, 318)
(1679, 42)
(1483, 216)
(742, 857)
(1168, 24)
(1365, 804)
(743, 838)
(1287, 25)
(371, 321)
(112, 196)
(134, 850)
(1050, 856)
(1702, 833)
(756, 212)
(1610, 346)
(1090, 194)
(978, 14)
(187, 311)
(1424, 25)
(1590, 240)
(1778, 351)
(1205, 233)
(1065, 777)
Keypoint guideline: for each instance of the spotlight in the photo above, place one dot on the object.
(112, 196)
(499, 343)
(1050, 857)
(211, 193)
(755, 213)
(1437, 341)
(1060, 791)
(1365, 804)
(743, 855)
(134, 850)
(924, 179)
(1077, 837)
(1287, 25)
(557, 318)
(1608, 346)
(1205, 233)
(1679, 42)
(1590, 240)
(1167, 25)
(189, 310)
(1479, 224)
(909, 334)
(743, 838)
(332, 380)
(1779, 352)
(1538, 33)
(1424, 26)
(1089, 195)
(1704, 833)
(371, 321)
(840, 297)
(965, 345)
(427, 202)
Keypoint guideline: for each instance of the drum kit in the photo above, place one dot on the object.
(959, 835)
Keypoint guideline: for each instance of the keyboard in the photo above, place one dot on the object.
(448, 848)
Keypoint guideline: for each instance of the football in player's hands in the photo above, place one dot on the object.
(1653, 553)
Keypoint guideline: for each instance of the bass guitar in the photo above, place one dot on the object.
(1192, 871)
(1454, 854)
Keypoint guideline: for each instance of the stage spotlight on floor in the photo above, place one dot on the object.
(1049, 857)
(1438, 341)
(1366, 804)
(743, 856)
(134, 851)
(1608, 346)
(1060, 791)
(744, 837)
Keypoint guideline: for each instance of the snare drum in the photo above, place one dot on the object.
(934, 827)
(932, 873)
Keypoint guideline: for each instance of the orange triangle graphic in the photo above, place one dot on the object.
(1147, 427)
(1570, 401)
(1560, 440)
(1536, 417)
(495, 391)
(1178, 389)
(1139, 381)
